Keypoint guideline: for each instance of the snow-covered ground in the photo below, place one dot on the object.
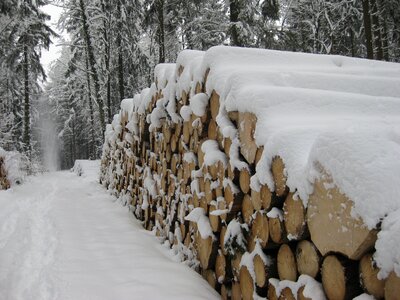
(63, 237)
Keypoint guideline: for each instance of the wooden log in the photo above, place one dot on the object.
(246, 283)
(300, 294)
(247, 126)
(369, 277)
(174, 143)
(209, 192)
(266, 197)
(287, 268)
(214, 105)
(198, 89)
(207, 251)
(221, 240)
(210, 277)
(215, 220)
(308, 259)
(278, 173)
(294, 215)
(225, 292)
(233, 198)
(276, 227)
(247, 209)
(331, 225)
(340, 278)
(286, 294)
(244, 180)
(272, 290)
(256, 199)
(186, 132)
(212, 131)
(392, 287)
(264, 271)
(235, 265)
(236, 291)
(227, 146)
(259, 231)
(223, 269)
(259, 153)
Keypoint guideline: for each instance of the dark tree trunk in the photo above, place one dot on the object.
(107, 61)
(92, 66)
(377, 30)
(367, 29)
(234, 8)
(120, 60)
(160, 33)
(92, 142)
(385, 41)
(27, 105)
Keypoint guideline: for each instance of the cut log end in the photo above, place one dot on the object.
(246, 283)
(287, 267)
(369, 277)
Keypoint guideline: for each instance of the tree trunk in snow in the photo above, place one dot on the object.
(89, 92)
(377, 29)
(160, 33)
(367, 29)
(27, 105)
(92, 65)
(234, 11)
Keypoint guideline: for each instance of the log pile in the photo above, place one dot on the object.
(4, 182)
(195, 188)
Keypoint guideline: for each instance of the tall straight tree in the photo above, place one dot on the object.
(29, 34)
(92, 63)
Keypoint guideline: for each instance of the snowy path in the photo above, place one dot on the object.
(63, 237)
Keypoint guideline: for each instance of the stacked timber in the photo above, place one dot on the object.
(227, 159)
(4, 182)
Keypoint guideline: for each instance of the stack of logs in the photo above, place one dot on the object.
(167, 174)
(4, 183)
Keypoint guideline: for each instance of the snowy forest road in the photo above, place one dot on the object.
(63, 237)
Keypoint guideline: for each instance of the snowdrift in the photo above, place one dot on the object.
(272, 173)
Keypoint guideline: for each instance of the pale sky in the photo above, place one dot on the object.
(54, 52)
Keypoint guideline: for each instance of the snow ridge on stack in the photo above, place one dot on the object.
(292, 150)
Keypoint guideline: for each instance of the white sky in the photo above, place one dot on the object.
(54, 52)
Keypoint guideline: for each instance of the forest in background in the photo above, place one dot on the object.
(114, 45)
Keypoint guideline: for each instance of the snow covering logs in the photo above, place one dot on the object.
(273, 174)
